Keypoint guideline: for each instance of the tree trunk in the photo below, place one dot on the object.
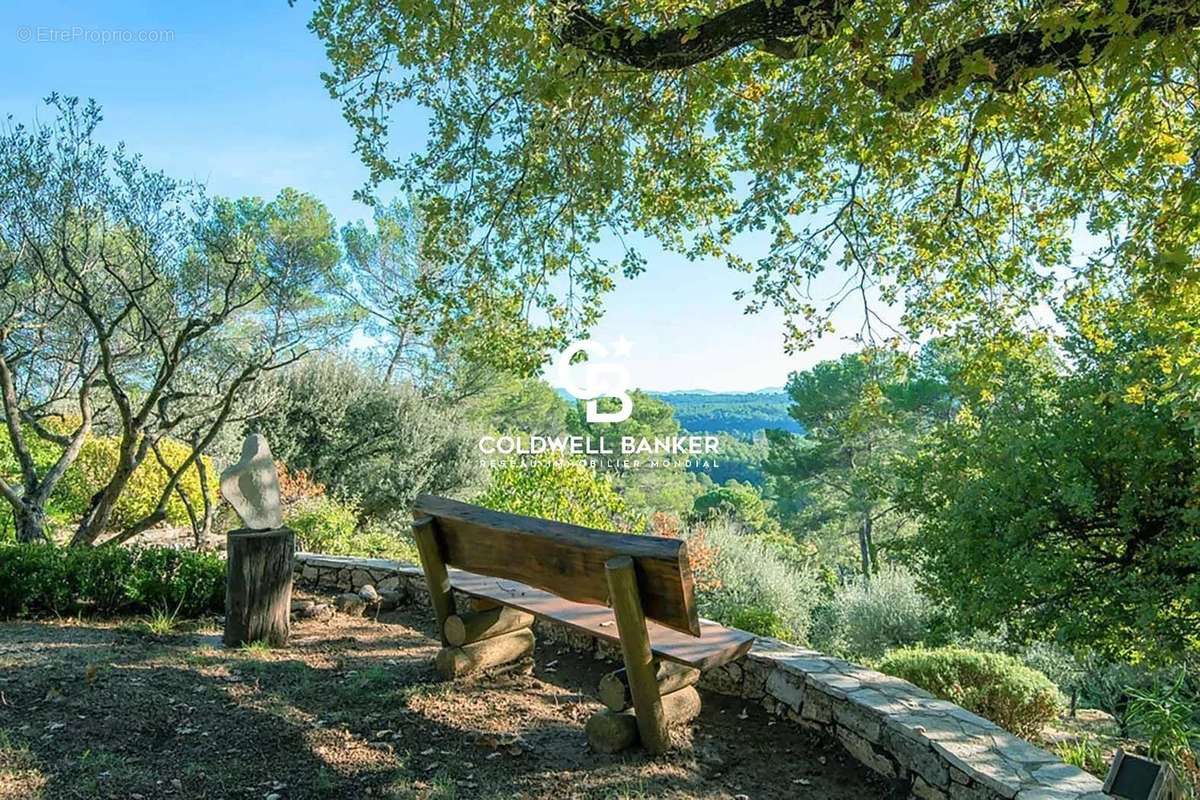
(864, 545)
(207, 517)
(100, 509)
(30, 523)
(394, 362)
(258, 586)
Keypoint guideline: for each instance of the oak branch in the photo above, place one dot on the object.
(795, 28)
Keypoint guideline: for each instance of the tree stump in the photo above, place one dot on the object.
(258, 586)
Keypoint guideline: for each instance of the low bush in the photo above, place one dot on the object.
(864, 619)
(330, 526)
(748, 584)
(992, 685)
(1069, 672)
(1086, 753)
(108, 580)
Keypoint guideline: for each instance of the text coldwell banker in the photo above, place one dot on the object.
(598, 445)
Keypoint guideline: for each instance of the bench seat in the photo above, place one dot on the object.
(715, 646)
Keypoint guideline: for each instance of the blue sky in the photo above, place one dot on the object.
(229, 94)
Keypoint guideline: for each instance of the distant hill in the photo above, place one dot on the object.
(741, 414)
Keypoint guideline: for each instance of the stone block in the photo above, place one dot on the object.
(786, 687)
(867, 754)
(924, 791)
(859, 719)
(726, 679)
(917, 757)
(959, 791)
(817, 708)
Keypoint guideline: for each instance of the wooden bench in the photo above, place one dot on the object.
(631, 590)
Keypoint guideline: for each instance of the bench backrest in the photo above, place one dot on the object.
(567, 560)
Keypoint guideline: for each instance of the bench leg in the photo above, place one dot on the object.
(436, 577)
(514, 647)
(640, 668)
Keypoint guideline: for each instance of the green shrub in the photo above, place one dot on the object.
(560, 490)
(107, 580)
(749, 585)
(760, 622)
(366, 438)
(1106, 684)
(330, 526)
(865, 619)
(183, 581)
(101, 575)
(1070, 673)
(992, 685)
(321, 523)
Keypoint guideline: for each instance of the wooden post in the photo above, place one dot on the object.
(635, 647)
(258, 586)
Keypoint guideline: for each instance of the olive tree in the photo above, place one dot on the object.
(176, 303)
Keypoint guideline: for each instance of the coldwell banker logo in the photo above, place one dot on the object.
(601, 378)
(591, 381)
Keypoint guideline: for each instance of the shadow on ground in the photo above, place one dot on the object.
(353, 709)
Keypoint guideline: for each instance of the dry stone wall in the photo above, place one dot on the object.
(939, 750)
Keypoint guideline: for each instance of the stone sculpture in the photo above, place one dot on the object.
(252, 486)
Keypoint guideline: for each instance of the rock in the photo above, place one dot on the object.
(315, 611)
(252, 486)
(322, 611)
(350, 603)
(390, 600)
(611, 732)
(301, 606)
(367, 592)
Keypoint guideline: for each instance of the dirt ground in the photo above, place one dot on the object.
(353, 709)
